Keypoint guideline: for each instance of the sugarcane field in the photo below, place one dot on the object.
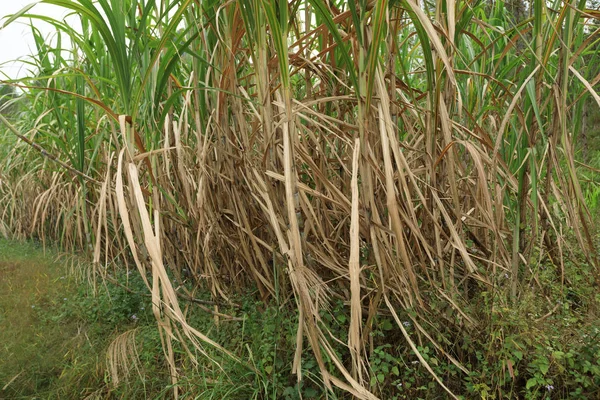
(299, 199)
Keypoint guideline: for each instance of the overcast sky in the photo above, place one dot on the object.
(16, 40)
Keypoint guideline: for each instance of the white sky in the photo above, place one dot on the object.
(16, 40)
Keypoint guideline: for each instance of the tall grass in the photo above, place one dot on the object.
(398, 155)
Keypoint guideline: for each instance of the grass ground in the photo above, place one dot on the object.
(53, 335)
(56, 336)
(34, 347)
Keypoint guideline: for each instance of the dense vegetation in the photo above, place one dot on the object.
(395, 183)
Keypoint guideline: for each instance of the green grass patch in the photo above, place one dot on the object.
(54, 332)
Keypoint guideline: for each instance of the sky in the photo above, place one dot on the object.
(16, 40)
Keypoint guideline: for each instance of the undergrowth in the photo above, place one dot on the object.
(57, 330)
